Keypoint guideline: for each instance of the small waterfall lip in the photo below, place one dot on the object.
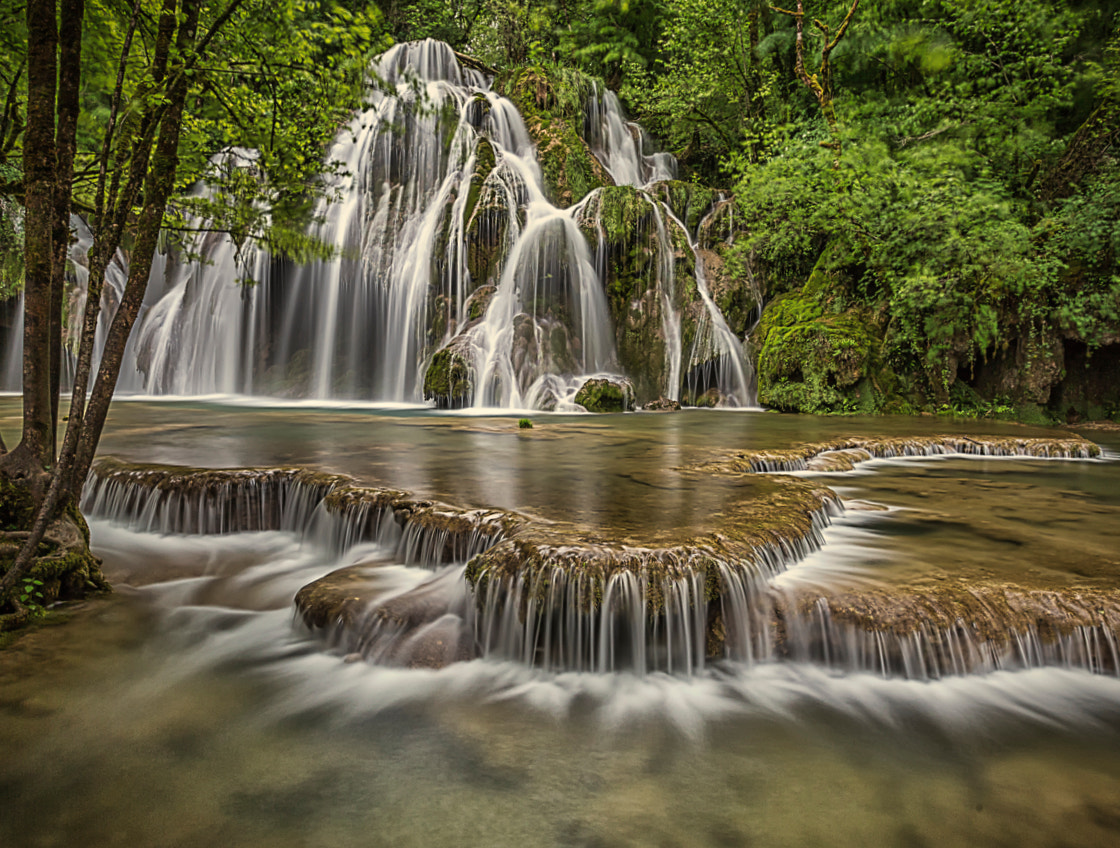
(845, 455)
(727, 347)
(500, 587)
(329, 510)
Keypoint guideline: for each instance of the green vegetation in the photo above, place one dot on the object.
(550, 99)
(957, 159)
(524, 424)
(448, 379)
(117, 111)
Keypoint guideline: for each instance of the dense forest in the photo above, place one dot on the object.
(928, 191)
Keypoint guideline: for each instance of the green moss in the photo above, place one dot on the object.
(623, 211)
(813, 356)
(448, 380)
(690, 202)
(17, 506)
(601, 395)
(485, 161)
(551, 102)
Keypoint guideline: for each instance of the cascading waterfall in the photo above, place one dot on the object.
(620, 144)
(606, 609)
(717, 359)
(436, 172)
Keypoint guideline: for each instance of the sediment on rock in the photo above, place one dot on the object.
(174, 499)
(846, 453)
(963, 629)
(171, 499)
(764, 534)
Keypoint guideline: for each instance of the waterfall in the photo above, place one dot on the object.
(717, 359)
(452, 277)
(620, 144)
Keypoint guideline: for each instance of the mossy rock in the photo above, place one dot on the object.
(625, 219)
(602, 395)
(689, 201)
(551, 105)
(623, 212)
(485, 162)
(486, 233)
(479, 302)
(811, 359)
(17, 505)
(449, 378)
(734, 293)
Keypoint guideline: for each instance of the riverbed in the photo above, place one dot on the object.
(191, 707)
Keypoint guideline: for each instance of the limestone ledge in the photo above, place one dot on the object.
(764, 534)
(846, 453)
(120, 490)
(960, 628)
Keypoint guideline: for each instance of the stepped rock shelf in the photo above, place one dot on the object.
(561, 596)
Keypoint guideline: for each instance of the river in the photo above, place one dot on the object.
(191, 707)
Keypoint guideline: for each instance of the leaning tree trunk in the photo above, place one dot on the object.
(55, 516)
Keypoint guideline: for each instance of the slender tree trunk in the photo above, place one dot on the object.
(157, 190)
(39, 164)
(69, 86)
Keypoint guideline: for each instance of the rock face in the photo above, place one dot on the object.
(601, 395)
(814, 356)
(449, 378)
(553, 112)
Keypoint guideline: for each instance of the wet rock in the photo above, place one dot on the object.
(690, 202)
(439, 644)
(662, 405)
(845, 453)
(479, 302)
(449, 378)
(763, 533)
(960, 628)
(337, 600)
(553, 112)
(603, 395)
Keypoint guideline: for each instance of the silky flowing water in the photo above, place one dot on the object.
(191, 708)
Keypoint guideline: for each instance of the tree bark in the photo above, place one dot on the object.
(69, 87)
(157, 190)
(820, 83)
(39, 164)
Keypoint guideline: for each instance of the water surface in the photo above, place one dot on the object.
(189, 709)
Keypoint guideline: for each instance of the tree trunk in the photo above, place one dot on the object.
(82, 436)
(157, 190)
(69, 86)
(39, 164)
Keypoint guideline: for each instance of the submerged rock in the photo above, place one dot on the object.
(662, 405)
(603, 395)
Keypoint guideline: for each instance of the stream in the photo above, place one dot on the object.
(193, 707)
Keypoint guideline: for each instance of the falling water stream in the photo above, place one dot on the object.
(437, 161)
(192, 708)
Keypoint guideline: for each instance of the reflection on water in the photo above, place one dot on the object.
(188, 709)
